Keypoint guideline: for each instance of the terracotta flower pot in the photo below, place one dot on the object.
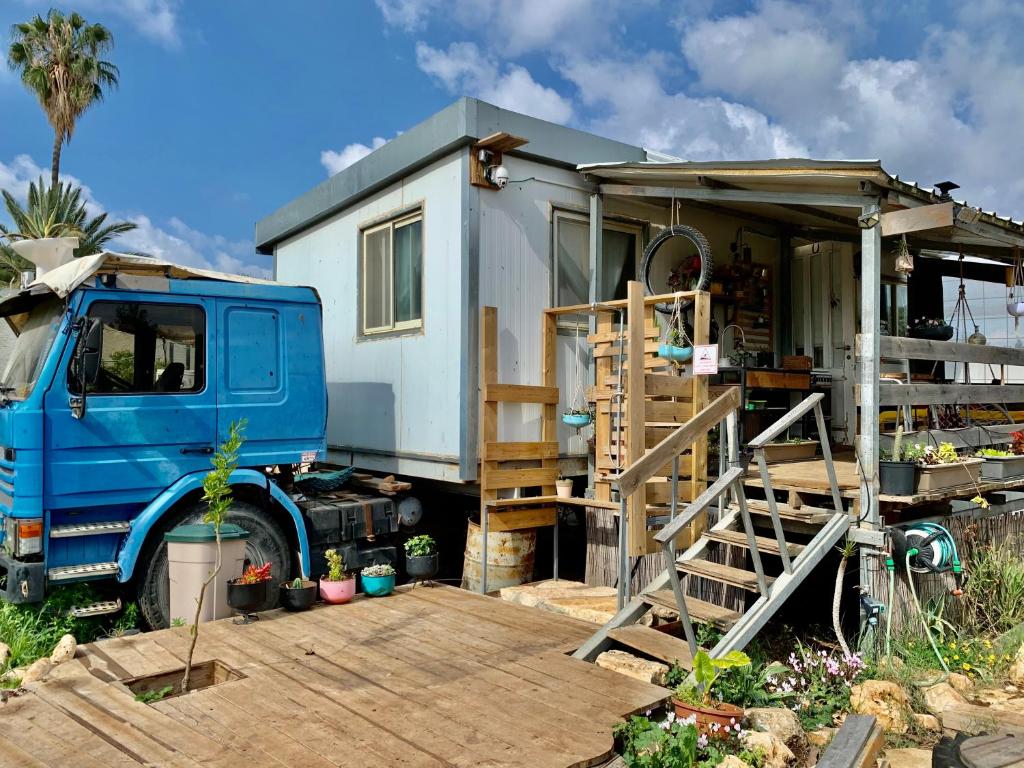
(723, 714)
(337, 592)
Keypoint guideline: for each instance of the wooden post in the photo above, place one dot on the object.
(488, 422)
(596, 293)
(636, 417)
(699, 461)
(549, 378)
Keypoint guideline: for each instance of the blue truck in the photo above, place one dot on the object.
(123, 379)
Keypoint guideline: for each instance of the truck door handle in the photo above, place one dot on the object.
(206, 450)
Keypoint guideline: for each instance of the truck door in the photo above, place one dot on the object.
(151, 415)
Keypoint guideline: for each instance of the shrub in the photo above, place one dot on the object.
(676, 743)
(420, 546)
(994, 592)
(816, 685)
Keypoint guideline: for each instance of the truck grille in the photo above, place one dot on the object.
(7, 474)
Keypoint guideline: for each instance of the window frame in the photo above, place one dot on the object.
(201, 357)
(390, 223)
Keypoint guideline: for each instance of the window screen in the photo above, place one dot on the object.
(149, 348)
(392, 276)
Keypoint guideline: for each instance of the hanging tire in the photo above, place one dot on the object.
(266, 543)
(697, 239)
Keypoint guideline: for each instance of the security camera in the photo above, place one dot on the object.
(498, 176)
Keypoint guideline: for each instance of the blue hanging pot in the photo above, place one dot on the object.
(577, 420)
(674, 353)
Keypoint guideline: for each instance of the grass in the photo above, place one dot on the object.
(32, 631)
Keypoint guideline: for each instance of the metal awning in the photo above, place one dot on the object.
(817, 199)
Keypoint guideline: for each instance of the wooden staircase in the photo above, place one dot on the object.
(757, 529)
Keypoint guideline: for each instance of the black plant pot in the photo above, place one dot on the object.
(897, 478)
(942, 333)
(421, 568)
(298, 598)
(246, 598)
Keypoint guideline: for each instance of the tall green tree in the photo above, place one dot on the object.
(60, 60)
(56, 211)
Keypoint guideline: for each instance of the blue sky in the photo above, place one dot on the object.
(228, 110)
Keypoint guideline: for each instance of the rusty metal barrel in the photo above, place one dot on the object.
(510, 556)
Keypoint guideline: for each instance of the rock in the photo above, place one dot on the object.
(885, 700)
(1016, 673)
(731, 761)
(778, 721)
(960, 683)
(5, 654)
(909, 758)
(64, 650)
(938, 697)
(927, 722)
(16, 673)
(776, 753)
(37, 671)
(821, 737)
(632, 666)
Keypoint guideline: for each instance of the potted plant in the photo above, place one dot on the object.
(697, 700)
(944, 468)
(793, 449)
(378, 580)
(563, 487)
(934, 328)
(677, 346)
(298, 594)
(897, 471)
(1003, 464)
(421, 557)
(336, 587)
(249, 591)
(577, 417)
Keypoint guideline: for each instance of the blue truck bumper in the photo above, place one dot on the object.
(21, 582)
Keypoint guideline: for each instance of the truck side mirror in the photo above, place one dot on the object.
(87, 364)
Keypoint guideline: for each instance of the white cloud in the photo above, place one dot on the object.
(155, 19)
(337, 161)
(464, 69)
(175, 242)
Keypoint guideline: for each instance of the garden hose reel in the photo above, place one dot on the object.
(931, 549)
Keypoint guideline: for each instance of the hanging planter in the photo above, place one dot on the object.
(674, 353)
(1015, 308)
(933, 328)
(577, 419)
(677, 346)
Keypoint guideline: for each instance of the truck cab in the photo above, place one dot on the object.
(124, 378)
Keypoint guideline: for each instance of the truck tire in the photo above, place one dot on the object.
(266, 543)
(700, 244)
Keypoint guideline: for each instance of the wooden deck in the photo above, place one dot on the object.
(809, 477)
(426, 677)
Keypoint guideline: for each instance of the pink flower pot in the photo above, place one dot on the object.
(337, 592)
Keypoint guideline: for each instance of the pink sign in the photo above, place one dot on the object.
(705, 359)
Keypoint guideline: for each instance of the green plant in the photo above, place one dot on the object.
(218, 497)
(254, 575)
(994, 453)
(706, 671)
(913, 453)
(60, 60)
(335, 566)
(376, 571)
(816, 684)
(676, 743)
(421, 546)
(897, 444)
(296, 583)
(993, 599)
(177, 621)
(149, 697)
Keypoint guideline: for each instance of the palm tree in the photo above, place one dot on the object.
(59, 59)
(56, 211)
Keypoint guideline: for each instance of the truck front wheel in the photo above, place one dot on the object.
(267, 543)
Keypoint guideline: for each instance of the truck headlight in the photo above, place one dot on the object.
(23, 536)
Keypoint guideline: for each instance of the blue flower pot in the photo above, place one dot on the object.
(576, 419)
(675, 354)
(378, 586)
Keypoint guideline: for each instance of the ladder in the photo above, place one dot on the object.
(735, 529)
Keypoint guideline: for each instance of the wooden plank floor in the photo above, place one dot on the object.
(427, 677)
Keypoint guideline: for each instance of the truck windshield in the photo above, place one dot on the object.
(28, 355)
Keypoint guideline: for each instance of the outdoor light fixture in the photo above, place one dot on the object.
(869, 220)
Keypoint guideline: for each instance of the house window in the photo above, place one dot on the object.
(392, 275)
(620, 255)
(148, 348)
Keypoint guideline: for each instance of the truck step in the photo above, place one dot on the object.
(86, 570)
(100, 608)
(89, 529)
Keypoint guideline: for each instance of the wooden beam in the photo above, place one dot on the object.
(918, 219)
(518, 519)
(488, 411)
(948, 351)
(636, 414)
(641, 471)
(549, 379)
(495, 451)
(520, 393)
(737, 195)
(499, 479)
(602, 307)
(894, 393)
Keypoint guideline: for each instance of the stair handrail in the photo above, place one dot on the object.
(786, 421)
(642, 470)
